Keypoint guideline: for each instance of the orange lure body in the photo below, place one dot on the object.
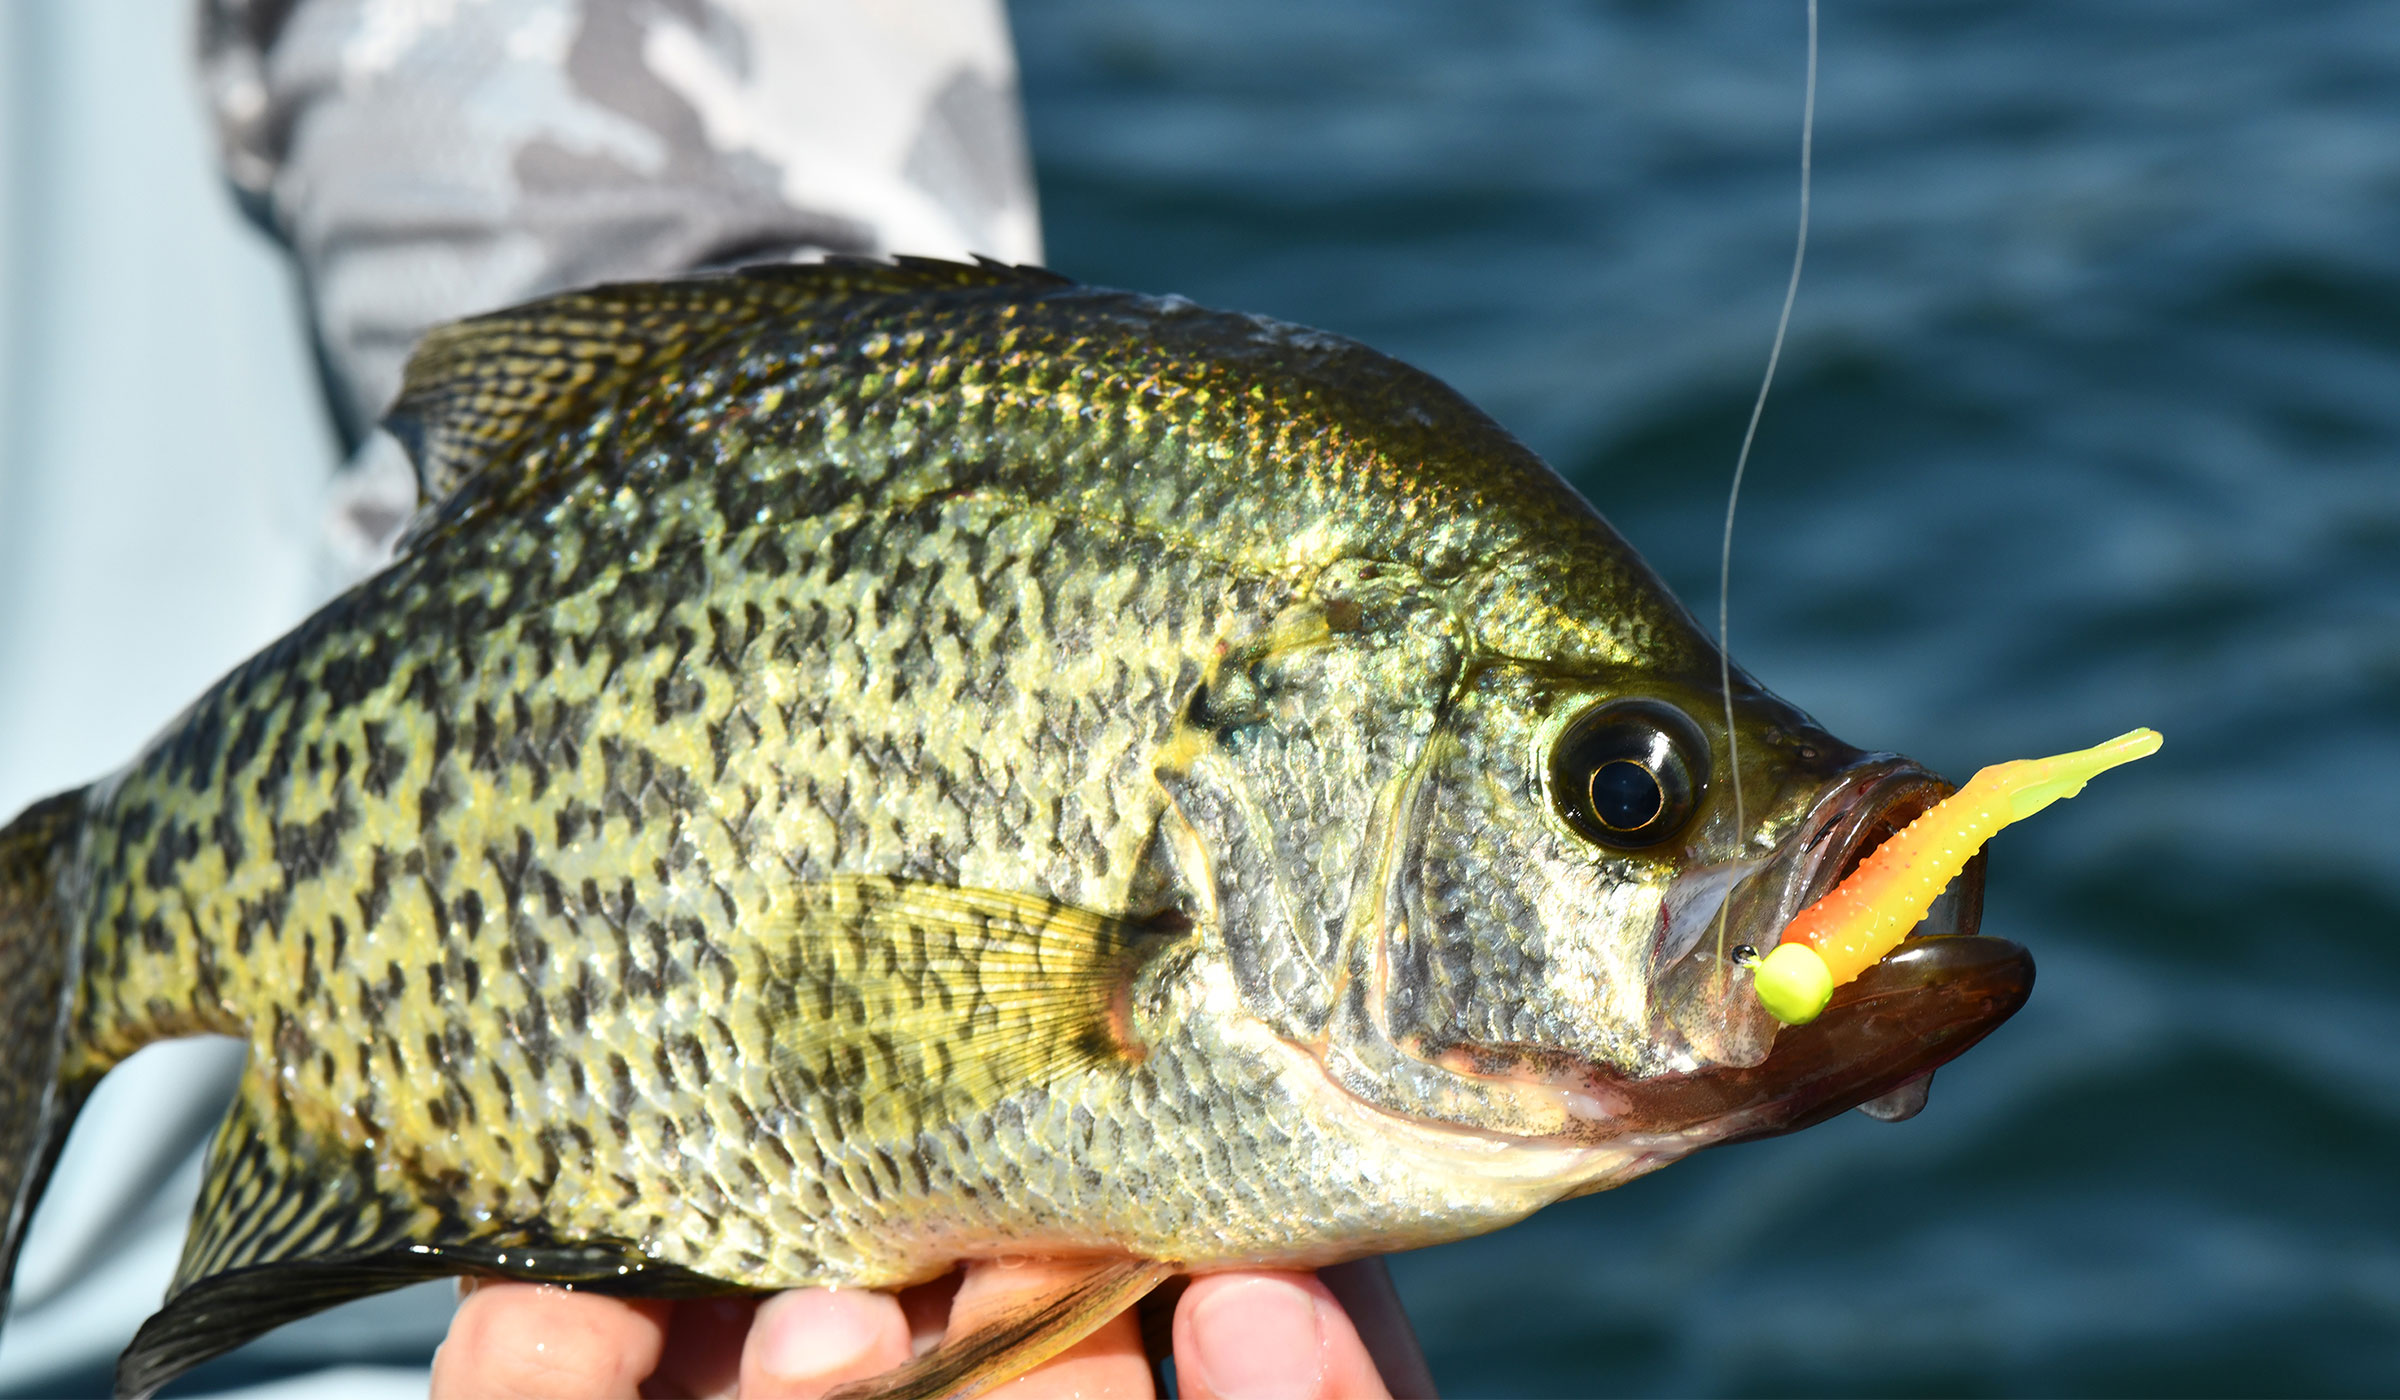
(1866, 916)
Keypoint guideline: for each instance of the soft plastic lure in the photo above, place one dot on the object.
(1864, 917)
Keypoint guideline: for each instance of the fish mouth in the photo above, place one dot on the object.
(1934, 997)
(1871, 805)
(1927, 1003)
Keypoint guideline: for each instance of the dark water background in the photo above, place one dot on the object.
(2090, 418)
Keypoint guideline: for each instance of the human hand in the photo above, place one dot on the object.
(1236, 1335)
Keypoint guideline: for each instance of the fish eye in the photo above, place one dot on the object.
(1628, 773)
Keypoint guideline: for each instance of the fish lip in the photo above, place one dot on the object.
(1875, 799)
(1930, 1001)
(1945, 985)
(1704, 1005)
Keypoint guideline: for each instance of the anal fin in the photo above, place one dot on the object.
(1026, 1335)
(286, 1228)
(219, 1313)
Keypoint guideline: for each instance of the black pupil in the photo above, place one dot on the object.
(1625, 795)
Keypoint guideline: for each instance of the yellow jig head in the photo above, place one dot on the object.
(1865, 916)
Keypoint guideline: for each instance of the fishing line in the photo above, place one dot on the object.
(1741, 464)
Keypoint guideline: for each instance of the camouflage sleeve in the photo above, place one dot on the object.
(429, 159)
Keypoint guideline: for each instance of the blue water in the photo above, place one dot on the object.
(2090, 418)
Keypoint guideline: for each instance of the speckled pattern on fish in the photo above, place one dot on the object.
(865, 766)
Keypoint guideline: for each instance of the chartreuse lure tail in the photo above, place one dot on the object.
(1864, 917)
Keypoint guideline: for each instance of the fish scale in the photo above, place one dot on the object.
(843, 793)
(862, 767)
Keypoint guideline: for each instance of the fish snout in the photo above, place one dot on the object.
(1708, 1000)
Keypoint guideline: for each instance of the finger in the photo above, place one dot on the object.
(810, 1340)
(1107, 1365)
(533, 1341)
(1269, 1336)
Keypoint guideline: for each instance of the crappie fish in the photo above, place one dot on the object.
(865, 766)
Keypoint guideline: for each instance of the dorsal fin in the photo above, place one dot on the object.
(490, 393)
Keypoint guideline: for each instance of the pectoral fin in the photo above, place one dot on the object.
(1007, 1346)
(904, 1003)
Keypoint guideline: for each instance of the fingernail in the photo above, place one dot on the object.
(1259, 1340)
(819, 1332)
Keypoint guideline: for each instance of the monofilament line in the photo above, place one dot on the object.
(1741, 463)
